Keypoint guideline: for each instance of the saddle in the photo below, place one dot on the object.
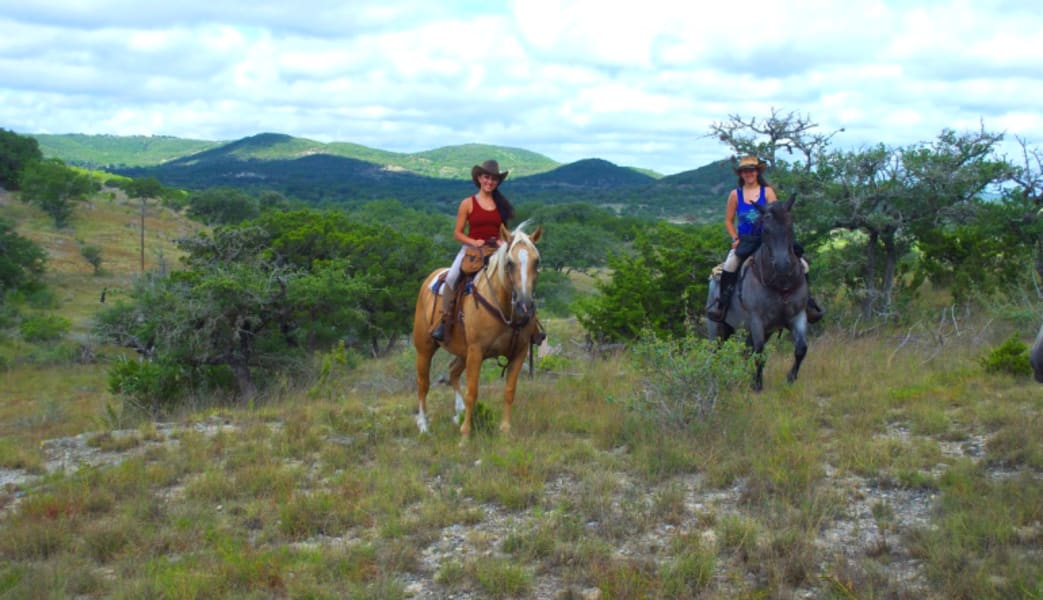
(476, 257)
(715, 272)
(463, 288)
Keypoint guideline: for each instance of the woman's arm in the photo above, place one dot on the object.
(729, 217)
(769, 194)
(461, 222)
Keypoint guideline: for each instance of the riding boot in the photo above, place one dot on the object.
(718, 311)
(448, 300)
(813, 311)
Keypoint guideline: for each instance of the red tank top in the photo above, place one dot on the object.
(483, 224)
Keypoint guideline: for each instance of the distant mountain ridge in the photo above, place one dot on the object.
(448, 162)
(346, 174)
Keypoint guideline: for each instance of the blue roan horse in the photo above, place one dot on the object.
(771, 293)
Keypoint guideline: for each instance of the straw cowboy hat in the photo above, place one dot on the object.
(489, 167)
(751, 162)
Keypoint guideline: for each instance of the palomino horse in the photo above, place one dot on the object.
(498, 319)
(771, 293)
(1036, 357)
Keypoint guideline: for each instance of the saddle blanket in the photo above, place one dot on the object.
(715, 273)
(436, 283)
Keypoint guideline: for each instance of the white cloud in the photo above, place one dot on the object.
(638, 83)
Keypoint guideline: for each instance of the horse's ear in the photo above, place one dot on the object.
(505, 234)
(792, 199)
(535, 237)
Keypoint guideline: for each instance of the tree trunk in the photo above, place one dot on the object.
(243, 381)
(890, 267)
(1039, 261)
(869, 276)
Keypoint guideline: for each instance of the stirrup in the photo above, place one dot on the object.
(813, 311)
(439, 333)
(716, 313)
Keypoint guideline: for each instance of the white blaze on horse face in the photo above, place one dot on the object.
(523, 264)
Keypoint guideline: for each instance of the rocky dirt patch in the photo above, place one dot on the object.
(871, 522)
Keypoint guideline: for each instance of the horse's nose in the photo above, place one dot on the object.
(524, 309)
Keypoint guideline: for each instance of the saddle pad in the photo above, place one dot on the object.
(435, 286)
(715, 273)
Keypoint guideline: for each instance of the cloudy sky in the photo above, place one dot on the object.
(638, 83)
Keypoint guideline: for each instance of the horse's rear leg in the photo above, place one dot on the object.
(474, 369)
(456, 367)
(800, 346)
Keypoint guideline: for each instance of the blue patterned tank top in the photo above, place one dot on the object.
(748, 216)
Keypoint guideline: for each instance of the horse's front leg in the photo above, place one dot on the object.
(423, 385)
(514, 368)
(756, 342)
(474, 370)
(800, 344)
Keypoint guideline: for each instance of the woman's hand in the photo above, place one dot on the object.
(478, 243)
(735, 242)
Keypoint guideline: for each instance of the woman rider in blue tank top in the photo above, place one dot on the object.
(746, 234)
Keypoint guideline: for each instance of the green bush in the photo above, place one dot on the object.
(43, 328)
(150, 384)
(683, 378)
(64, 352)
(1011, 357)
(157, 385)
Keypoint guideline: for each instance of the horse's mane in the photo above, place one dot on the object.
(498, 261)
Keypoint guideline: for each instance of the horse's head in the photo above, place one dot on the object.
(517, 264)
(777, 235)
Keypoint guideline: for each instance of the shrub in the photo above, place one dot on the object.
(43, 328)
(149, 383)
(684, 378)
(1011, 357)
(158, 385)
(64, 352)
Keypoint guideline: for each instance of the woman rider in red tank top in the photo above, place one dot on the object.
(478, 219)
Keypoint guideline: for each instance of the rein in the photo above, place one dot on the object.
(497, 312)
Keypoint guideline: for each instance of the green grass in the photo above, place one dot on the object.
(326, 489)
(245, 507)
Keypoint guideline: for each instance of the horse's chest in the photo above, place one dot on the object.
(502, 345)
(774, 312)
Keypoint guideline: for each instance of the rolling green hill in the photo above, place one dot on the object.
(448, 162)
(97, 151)
(351, 174)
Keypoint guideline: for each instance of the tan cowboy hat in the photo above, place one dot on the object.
(750, 162)
(490, 167)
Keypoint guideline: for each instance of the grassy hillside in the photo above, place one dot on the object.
(434, 180)
(449, 162)
(111, 222)
(98, 151)
(455, 162)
